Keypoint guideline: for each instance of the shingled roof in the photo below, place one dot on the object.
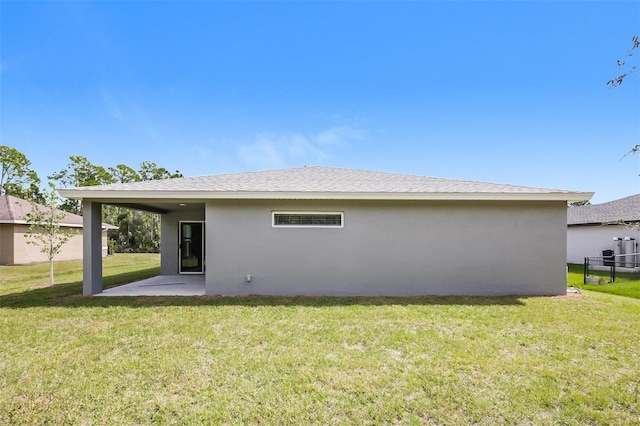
(15, 210)
(319, 182)
(623, 210)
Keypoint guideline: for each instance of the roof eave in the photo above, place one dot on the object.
(287, 195)
(620, 222)
(24, 222)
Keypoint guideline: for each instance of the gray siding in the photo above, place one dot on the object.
(388, 248)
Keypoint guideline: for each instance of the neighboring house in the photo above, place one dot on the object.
(332, 231)
(592, 229)
(14, 249)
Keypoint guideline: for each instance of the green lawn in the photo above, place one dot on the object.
(65, 359)
(626, 283)
(28, 284)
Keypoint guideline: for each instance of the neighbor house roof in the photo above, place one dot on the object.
(623, 210)
(318, 182)
(15, 210)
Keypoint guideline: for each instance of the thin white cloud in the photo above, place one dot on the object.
(268, 151)
(201, 151)
(339, 135)
(133, 117)
(264, 152)
(112, 107)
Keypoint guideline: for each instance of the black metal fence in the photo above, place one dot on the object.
(611, 262)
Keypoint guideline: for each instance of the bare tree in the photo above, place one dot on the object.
(45, 230)
(624, 67)
(627, 69)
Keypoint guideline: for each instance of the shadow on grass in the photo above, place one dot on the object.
(69, 295)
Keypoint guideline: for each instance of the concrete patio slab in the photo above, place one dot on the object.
(162, 285)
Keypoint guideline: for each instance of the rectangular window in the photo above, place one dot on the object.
(308, 219)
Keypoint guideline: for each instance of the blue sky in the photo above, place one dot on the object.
(507, 92)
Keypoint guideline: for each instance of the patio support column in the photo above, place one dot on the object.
(91, 248)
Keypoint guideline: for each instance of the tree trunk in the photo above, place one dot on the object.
(51, 282)
(51, 251)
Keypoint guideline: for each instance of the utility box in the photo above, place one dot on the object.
(607, 257)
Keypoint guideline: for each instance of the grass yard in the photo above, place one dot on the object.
(626, 284)
(65, 359)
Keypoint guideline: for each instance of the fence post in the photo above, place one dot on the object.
(585, 270)
(613, 272)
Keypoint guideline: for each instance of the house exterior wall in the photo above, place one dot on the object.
(6, 244)
(105, 244)
(388, 248)
(583, 241)
(169, 226)
(14, 249)
(27, 253)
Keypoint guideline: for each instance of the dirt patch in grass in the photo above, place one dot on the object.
(568, 296)
(42, 285)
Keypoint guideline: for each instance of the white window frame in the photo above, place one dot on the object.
(275, 212)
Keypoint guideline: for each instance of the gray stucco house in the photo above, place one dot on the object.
(333, 231)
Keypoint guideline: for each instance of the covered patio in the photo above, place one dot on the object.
(162, 285)
(327, 231)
